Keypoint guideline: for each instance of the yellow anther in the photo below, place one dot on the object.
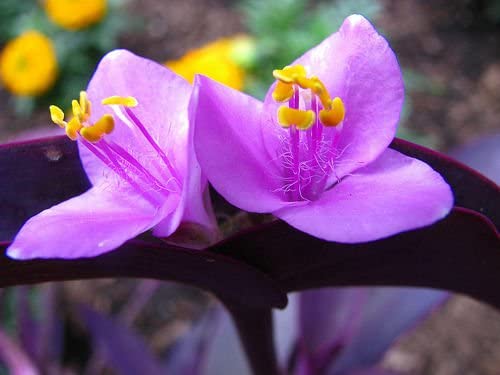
(301, 119)
(84, 103)
(320, 90)
(94, 133)
(75, 107)
(282, 92)
(57, 116)
(289, 74)
(73, 127)
(126, 101)
(334, 115)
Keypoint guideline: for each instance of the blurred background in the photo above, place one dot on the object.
(450, 55)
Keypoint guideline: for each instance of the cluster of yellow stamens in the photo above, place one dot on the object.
(79, 124)
(333, 111)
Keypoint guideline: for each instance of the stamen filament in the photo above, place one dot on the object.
(124, 154)
(114, 164)
(157, 148)
(295, 145)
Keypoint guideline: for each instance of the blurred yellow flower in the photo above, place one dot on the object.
(28, 64)
(75, 14)
(216, 60)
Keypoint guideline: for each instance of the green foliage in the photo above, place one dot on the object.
(77, 51)
(285, 29)
(10, 11)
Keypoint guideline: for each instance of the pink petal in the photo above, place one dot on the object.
(357, 64)
(163, 100)
(393, 194)
(93, 223)
(230, 148)
(194, 206)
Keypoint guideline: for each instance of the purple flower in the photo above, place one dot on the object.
(315, 152)
(135, 145)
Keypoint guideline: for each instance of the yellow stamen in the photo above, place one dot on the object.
(75, 107)
(94, 133)
(73, 127)
(320, 90)
(334, 115)
(282, 92)
(290, 116)
(57, 116)
(84, 103)
(289, 74)
(126, 101)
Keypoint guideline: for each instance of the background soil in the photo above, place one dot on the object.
(450, 42)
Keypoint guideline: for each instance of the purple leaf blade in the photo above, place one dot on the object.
(229, 279)
(471, 189)
(465, 244)
(28, 171)
(36, 175)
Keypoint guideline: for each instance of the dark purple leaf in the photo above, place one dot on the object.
(464, 244)
(482, 154)
(39, 174)
(471, 189)
(34, 176)
(232, 281)
(121, 348)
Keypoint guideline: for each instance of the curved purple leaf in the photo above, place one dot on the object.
(121, 348)
(36, 175)
(230, 280)
(470, 189)
(482, 154)
(29, 171)
(465, 243)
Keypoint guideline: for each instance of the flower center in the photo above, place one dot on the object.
(153, 185)
(312, 119)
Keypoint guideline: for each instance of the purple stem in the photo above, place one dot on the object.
(255, 329)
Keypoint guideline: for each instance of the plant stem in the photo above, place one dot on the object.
(255, 328)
